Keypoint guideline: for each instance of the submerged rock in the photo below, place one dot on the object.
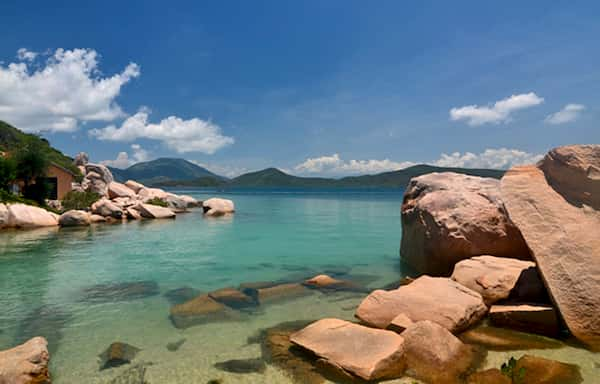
(277, 293)
(365, 352)
(181, 295)
(328, 283)
(233, 298)
(489, 376)
(557, 209)
(199, 310)
(117, 354)
(26, 363)
(174, 346)
(435, 355)
(121, 291)
(448, 217)
(501, 339)
(133, 375)
(437, 299)
(45, 320)
(537, 370)
(242, 366)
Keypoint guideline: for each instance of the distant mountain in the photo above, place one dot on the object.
(164, 170)
(11, 139)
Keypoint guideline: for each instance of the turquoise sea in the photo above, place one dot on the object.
(58, 283)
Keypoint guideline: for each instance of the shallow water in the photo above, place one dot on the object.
(45, 277)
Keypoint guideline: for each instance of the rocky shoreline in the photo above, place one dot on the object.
(521, 254)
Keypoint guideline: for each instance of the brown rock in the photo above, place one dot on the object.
(117, 354)
(26, 363)
(74, 218)
(489, 376)
(365, 352)
(448, 217)
(233, 298)
(540, 319)
(150, 211)
(199, 310)
(500, 339)
(438, 299)
(538, 370)
(495, 278)
(437, 356)
(558, 215)
(328, 283)
(279, 292)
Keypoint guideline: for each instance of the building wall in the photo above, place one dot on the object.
(64, 180)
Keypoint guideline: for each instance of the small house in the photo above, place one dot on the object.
(59, 181)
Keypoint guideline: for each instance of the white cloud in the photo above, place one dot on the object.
(24, 54)
(501, 158)
(180, 135)
(123, 160)
(570, 112)
(335, 165)
(59, 93)
(499, 112)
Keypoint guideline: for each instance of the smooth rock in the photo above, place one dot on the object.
(540, 319)
(175, 202)
(495, 278)
(489, 376)
(448, 217)
(558, 215)
(119, 190)
(538, 370)
(150, 211)
(233, 298)
(439, 299)
(328, 283)
(217, 207)
(190, 201)
(26, 363)
(147, 193)
(199, 310)
(117, 354)
(28, 216)
(435, 355)
(134, 185)
(365, 352)
(74, 218)
(174, 346)
(242, 366)
(107, 208)
(501, 339)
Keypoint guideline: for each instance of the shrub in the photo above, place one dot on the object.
(10, 198)
(79, 200)
(8, 172)
(157, 201)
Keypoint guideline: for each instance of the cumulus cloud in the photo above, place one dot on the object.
(570, 112)
(193, 135)
(58, 93)
(496, 113)
(123, 159)
(334, 164)
(501, 158)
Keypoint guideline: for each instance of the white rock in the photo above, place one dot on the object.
(27, 216)
(216, 206)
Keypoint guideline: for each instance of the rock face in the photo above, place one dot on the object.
(495, 278)
(74, 218)
(556, 209)
(150, 211)
(217, 207)
(435, 355)
(448, 217)
(26, 363)
(27, 216)
(97, 178)
(119, 190)
(437, 299)
(105, 207)
(540, 319)
(365, 352)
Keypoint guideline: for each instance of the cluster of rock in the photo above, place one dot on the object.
(523, 251)
(128, 201)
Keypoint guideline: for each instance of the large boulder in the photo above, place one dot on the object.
(150, 211)
(435, 355)
(134, 185)
(119, 190)
(217, 207)
(555, 206)
(97, 178)
(438, 299)
(74, 218)
(365, 352)
(151, 193)
(448, 217)
(28, 216)
(107, 208)
(190, 201)
(81, 159)
(497, 278)
(26, 363)
(175, 202)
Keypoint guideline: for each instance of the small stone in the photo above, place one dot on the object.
(242, 366)
(175, 345)
(117, 354)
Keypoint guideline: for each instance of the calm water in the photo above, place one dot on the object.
(44, 275)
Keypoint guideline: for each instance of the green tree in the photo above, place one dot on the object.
(8, 172)
(32, 161)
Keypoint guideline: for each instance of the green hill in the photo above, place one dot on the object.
(11, 139)
(164, 170)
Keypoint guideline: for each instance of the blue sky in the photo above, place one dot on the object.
(312, 87)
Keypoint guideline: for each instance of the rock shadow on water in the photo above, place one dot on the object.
(115, 292)
(502, 339)
(47, 321)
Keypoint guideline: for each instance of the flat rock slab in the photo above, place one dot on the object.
(26, 363)
(540, 319)
(495, 278)
(365, 352)
(438, 299)
(564, 239)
